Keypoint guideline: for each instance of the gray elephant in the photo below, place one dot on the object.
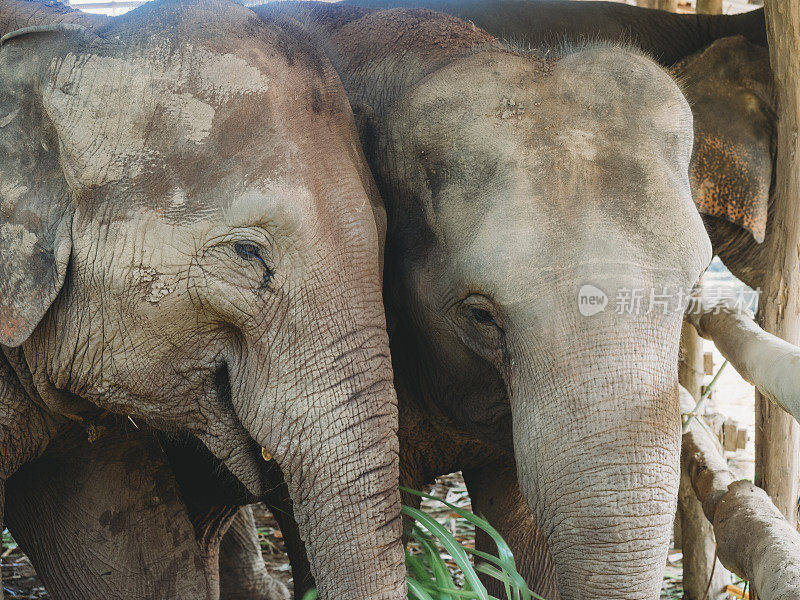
(513, 181)
(190, 236)
(722, 63)
(729, 86)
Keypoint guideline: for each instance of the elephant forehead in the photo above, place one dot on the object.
(115, 116)
(612, 94)
(565, 138)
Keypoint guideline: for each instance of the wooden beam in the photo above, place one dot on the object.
(771, 364)
(754, 540)
(708, 7)
(777, 434)
(697, 536)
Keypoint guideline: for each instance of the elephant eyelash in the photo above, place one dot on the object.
(252, 252)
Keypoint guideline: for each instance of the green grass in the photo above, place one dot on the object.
(431, 578)
(8, 541)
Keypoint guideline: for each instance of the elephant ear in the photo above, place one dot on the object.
(729, 86)
(35, 200)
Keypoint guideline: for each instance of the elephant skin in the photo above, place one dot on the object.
(184, 203)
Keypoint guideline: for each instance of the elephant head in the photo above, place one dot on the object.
(536, 201)
(730, 88)
(188, 236)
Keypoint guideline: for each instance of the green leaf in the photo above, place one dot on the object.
(505, 554)
(416, 568)
(416, 591)
(310, 594)
(453, 548)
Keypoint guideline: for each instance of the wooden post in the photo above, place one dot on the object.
(709, 7)
(777, 433)
(670, 5)
(697, 534)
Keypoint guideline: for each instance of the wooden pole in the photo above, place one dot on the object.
(697, 534)
(754, 539)
(709, 7)
(771, 364)
(777, 433)
(670, 5)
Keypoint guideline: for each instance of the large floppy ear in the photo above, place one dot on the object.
(729, 86)
(35, 202)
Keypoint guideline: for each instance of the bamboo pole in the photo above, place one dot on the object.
(777, 434)
(670, 5)
(708, 7)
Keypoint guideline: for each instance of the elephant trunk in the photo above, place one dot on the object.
(597, 444)
(336, 442)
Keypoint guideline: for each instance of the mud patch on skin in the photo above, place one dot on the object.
(194, 116)
(114, 521)
(510, 108)
(11, 192)
(18, 237)
(581, 143)
(105, 141)
(151, 282)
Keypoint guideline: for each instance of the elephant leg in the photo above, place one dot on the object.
(25, 430)
(494, 491)
(104, 520)
(242, 572)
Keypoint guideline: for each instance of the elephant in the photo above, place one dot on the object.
(723, 70)
(513, 182)
(190, 237)
(667, 37)
(729, 86)
(722, 62)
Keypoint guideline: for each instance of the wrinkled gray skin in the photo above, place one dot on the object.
(510, 182)
(183, 208)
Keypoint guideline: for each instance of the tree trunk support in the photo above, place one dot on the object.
(777, 434)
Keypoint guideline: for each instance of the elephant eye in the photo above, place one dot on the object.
(247, 250)
(483, 316)
(250, 251)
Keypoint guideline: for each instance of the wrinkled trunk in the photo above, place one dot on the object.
(597, 444)
(336, 443)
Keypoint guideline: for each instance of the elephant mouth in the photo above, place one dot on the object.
(234, 448)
